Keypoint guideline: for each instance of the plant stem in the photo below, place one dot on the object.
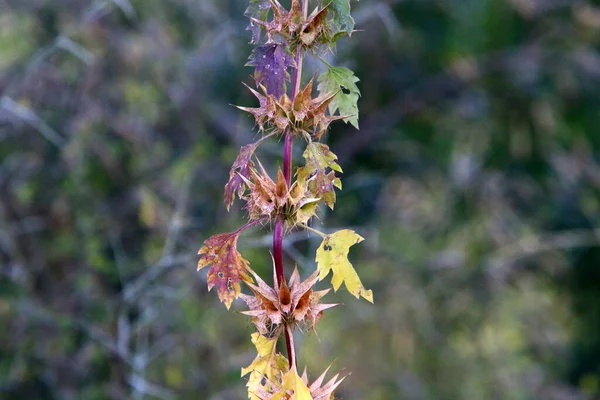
(278, 251)
(290, 334)
(287, 158)
(296, 80)
(279, 231)
(312, 230)
(248, 225)
(279, 275)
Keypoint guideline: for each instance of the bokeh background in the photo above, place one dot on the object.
(475, 178)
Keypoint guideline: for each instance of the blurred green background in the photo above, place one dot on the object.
(475, 178)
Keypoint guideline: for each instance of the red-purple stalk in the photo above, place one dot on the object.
(279, 230)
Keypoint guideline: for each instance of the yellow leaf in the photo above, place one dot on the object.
(267, 363)
(333, 255)
(292, 382)
(307, 211)
(318, 156)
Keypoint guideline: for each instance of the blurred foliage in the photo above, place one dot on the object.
(475, 176)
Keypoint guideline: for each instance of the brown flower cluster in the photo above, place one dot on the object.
(268, 199)
(292, 27)
(317, 390)
(302, 116)
(292, 303)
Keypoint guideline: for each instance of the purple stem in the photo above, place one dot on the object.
(287, 157)
(248, 225)
(278, 251)
(288, 145)
(279, 231)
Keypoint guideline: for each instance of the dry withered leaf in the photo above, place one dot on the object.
(313, 27)
(240, 169)
(240, 172)
(228, 265)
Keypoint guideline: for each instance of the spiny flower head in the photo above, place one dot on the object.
(268, 199)
(303, 115)
(293, 387)
(294, 302)
(291, 26)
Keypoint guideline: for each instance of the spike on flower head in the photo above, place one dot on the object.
(291, 386)
(293, 302)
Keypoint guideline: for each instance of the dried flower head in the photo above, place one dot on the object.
(303, 116)
(294, 387)
(292, 303)
(284, 23)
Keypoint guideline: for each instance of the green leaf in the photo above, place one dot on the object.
(343, 81)
(318, 156)
(332, 255)
(342, 20)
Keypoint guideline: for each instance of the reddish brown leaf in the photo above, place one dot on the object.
(240, 172)
(320, 120)
(240, 169)
(260, 202)
(271, 111)
(322, 185)
(228, 265)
